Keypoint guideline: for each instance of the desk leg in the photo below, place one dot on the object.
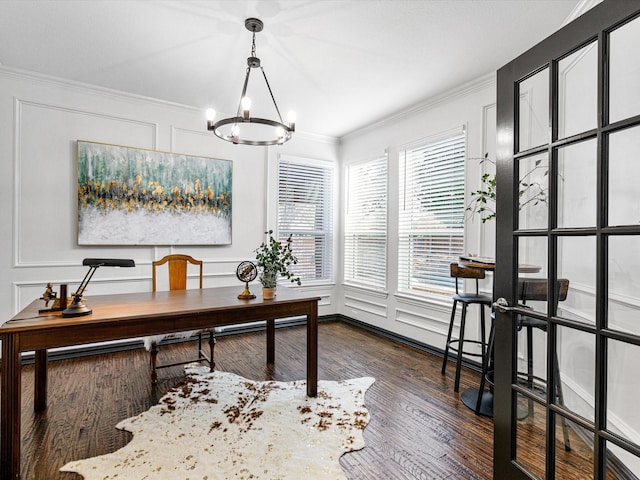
(40, 393)
(11, 389)
(312, 350)
(271, 340)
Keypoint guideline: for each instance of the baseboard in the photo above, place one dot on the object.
(614, 464)
(424, 347)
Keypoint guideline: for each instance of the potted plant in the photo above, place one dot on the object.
(274, 259)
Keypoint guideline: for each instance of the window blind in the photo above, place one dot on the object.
(365, 230)
(305, 210)
(431, 216)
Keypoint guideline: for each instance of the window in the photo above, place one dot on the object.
(305, 211)
(431, 217)
(365, 230)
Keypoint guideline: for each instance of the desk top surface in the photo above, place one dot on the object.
(140, 305)
(490, 264)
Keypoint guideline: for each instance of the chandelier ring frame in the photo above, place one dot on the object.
(259, 143)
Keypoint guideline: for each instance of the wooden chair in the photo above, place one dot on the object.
(177, 269)
(535, 289)
(457, 344)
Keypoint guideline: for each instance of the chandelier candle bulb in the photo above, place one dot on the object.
(211, 115)
(291, 117)
(246, 106)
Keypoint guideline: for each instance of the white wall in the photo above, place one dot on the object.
(472, 105)
(40, 121)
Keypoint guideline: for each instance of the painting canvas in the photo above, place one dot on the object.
(133, 196)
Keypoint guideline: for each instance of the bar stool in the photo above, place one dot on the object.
(466, 299)
(533, 289)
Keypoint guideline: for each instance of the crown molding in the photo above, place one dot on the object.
(19, 74)
(460, 91)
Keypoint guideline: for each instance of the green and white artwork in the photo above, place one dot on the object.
(133, 196)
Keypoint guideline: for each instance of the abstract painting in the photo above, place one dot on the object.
(133, 196)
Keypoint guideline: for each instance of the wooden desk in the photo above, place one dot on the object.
(132, 315)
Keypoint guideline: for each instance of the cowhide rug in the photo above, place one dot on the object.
(217, 425)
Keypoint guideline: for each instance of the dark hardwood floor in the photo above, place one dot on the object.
(419, 429)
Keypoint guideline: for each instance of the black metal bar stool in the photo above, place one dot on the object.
(532, 289)
(466, 299)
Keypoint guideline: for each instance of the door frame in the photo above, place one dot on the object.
(593, 24)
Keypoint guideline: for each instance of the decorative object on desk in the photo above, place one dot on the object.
(221, 425)
(483, 200)
(133, 196)
(246, 272)
(48, 294)
(59, 303)
(243, 128)
(78, 307)
(274, 259)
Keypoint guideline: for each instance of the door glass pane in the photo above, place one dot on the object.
(577, 168)
(533, 115)
(576, 365)
(624, 204)
(531, 437)
(578, 91)
(532, 264)
(623, 386)
(532, 359)
(620, 462)
(533, 189)
(624, 67)
(576, 264)
(578, 462)
(623, 306)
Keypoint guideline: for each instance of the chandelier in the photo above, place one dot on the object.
(243, 128)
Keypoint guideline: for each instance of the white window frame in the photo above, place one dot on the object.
(364, 243)
(324, 231)
(423, 265)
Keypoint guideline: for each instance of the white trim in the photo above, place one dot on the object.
(436, 137)
(406, 316)
(365, 289)
(19, 105)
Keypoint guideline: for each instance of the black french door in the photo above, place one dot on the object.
(567, 358)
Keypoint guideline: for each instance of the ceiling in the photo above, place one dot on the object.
(340, 64)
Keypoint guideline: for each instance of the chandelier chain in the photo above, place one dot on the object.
(253, 45)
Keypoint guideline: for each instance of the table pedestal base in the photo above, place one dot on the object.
(470, 398)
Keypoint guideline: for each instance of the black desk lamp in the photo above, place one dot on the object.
(78, 308)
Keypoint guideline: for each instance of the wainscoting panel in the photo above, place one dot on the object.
(45, 166)
(357, 306)
(423, 321)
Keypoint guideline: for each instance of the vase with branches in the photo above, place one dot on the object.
(483, 200)
(274, 258)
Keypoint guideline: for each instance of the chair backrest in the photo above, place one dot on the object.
(536, 289)
(177, 264)
(458, 271)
